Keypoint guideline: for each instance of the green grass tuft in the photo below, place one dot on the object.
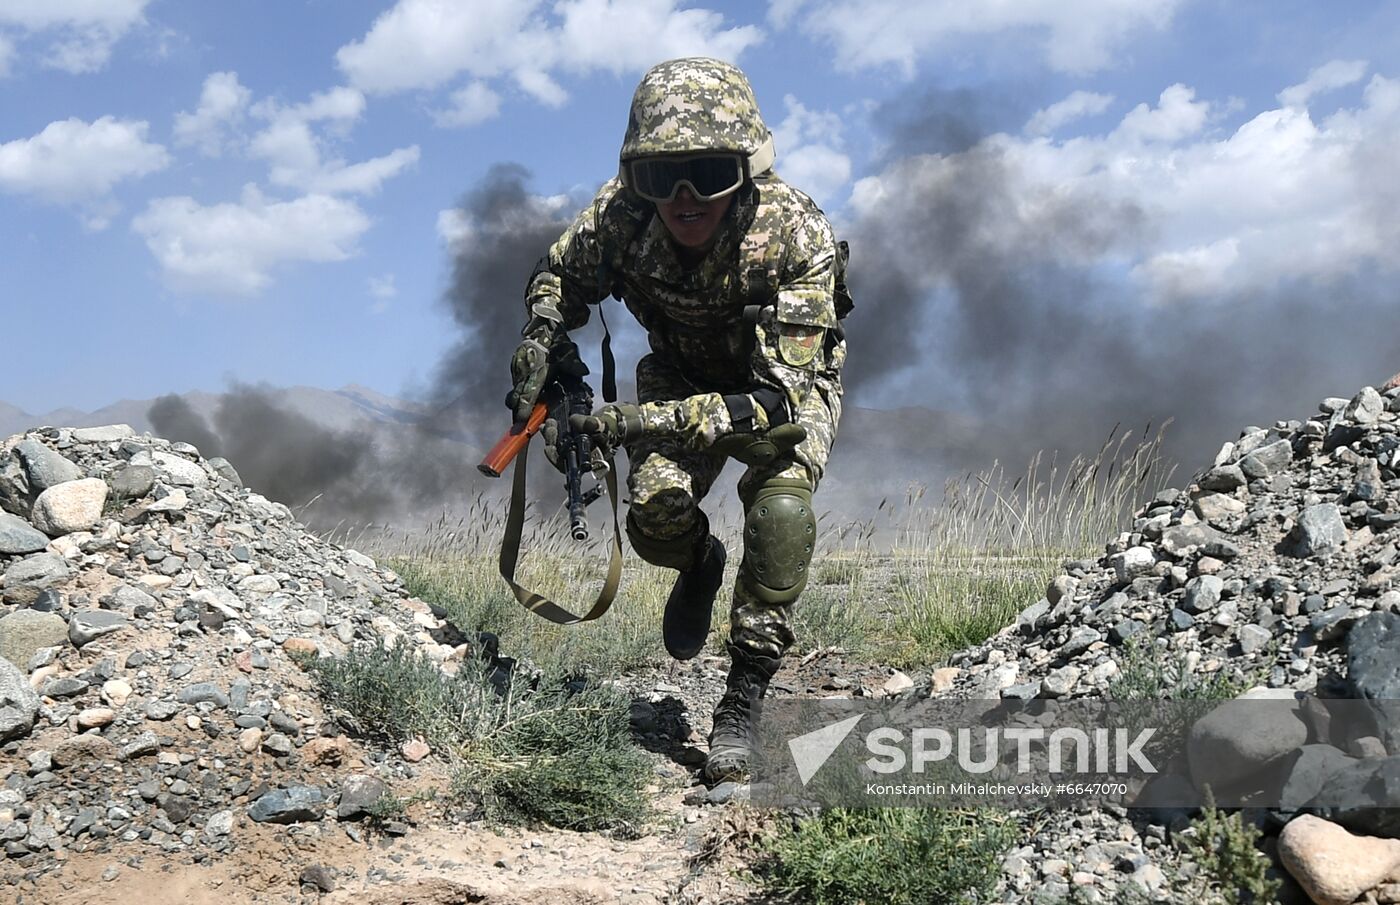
(560, 755)
(899, 856)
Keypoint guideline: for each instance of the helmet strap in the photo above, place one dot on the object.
(761, 161)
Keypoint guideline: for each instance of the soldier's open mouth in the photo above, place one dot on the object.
(690, 216)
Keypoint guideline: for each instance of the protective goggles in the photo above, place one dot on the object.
(708, 176)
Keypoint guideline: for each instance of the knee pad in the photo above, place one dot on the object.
(670, 553)
(780, 532)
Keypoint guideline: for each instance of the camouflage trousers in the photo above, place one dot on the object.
(666, 482)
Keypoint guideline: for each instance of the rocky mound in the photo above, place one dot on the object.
(147, 692)
(1280, 567)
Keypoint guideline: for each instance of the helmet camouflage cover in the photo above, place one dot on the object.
(693, 105)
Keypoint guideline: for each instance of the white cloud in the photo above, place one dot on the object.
(809, 144)
(1177, 115)
(1078, 35)
(235, 248)
(538, 84)
(297, 155)
(72, 161)
(782, 12)
(1077, 106)
(471, 104)
(1280, 198)
(454, 228)
(365, 178)
(629, 35)
(82, 32)
(424, 44)
(1327, 77)
(222, 106)
(818, 170)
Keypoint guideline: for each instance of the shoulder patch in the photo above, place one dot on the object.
(798, 343)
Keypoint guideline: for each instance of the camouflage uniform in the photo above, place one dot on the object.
(702, 347)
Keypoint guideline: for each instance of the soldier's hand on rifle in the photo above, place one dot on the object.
(535, 364)
(612, 425)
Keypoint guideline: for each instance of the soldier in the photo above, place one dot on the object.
(734, 275)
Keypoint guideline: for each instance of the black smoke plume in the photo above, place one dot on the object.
(1001, 323)
(370, 473)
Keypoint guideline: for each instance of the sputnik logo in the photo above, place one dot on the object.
(811, 750)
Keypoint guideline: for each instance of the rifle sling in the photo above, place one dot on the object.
(510, 553)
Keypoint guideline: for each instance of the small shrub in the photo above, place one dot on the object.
(899, 856)
(1149, 672)
(556, 754)
(1225, 847)
(568, 761)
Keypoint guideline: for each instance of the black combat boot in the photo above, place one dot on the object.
(731, 738)
(686, 622)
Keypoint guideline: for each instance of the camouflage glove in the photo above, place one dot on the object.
(612, 425)
(538, 360)
(764, 447)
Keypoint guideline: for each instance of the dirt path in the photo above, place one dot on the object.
(440, 863)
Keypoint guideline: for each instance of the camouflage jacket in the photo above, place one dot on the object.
(695, 318)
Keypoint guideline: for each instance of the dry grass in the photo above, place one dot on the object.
(957, 570)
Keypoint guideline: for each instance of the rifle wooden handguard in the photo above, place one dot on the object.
(512, 442)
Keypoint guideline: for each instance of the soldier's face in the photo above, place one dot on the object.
(693, 223)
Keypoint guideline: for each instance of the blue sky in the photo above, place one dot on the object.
(193, 192)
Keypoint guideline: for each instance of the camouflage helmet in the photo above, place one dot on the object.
(693, 105)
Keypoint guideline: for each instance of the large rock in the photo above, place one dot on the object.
(1311, 772)
(83, 749)
(1366, 407)
(1320, 531)
(71, 506)
(18, 537)
(1333, 866)
(358, 796)
(1202, 594)
(38, 571)
(1239, 738)
(45, 467)
(14, 486)
(1218, 508)
(107, 433)
(1373, 657)
(24, 633)
(224, 469)
(1132, 563)
(19, 705)
(180, 470)
(1351, 795)
(1179, 540)
(1268, 460)
(132, 482)
(290, 805)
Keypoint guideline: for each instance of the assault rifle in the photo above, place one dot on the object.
(577, 453)
(566, 396)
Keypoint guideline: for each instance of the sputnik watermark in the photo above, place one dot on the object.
(812, 749)
(932, 745)
(1013, 753)
(1096, 751)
